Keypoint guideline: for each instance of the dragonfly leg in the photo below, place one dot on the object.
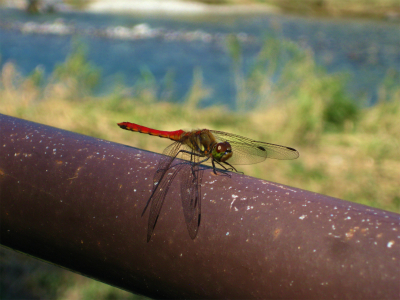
(232, 168)
(195, 163)
(168, 166)
(191, 153)
(215, 171)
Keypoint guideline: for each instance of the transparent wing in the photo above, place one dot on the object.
(191, 177)
(158, 196)
(162, 180)
(178, 150)
(170, 153)
(247, 151)
(175, 150)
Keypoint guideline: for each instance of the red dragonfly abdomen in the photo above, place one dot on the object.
(173, 135)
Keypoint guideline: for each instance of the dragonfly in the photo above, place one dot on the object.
(197, 147)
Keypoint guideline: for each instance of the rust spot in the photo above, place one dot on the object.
(59, 162)
(76, 173)
(2, 172)
(351, 232)
(277, 232)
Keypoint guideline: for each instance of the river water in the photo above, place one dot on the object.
(123, 46)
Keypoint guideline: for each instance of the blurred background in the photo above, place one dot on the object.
(322, 76)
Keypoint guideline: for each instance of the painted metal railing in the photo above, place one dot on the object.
(76, 201)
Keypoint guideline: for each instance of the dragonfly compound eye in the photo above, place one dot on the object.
(222, 147)
(225, 151)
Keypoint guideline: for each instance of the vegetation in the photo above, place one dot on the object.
(346, 151)
(80, 4)
(335, 8)
(381, 9)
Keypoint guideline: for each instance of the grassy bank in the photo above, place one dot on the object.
(336, 8)
(380, 9)
(346, 151)
(377, 9)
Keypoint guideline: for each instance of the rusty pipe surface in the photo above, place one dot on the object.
(76, 201)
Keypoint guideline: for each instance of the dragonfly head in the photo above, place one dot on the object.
(222, 151)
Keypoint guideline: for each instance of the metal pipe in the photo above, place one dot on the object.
(76, 201)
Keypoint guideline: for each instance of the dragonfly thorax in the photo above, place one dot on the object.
(222, 151)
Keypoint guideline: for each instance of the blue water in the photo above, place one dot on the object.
(365, 50)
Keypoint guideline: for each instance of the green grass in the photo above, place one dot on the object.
(333, 8)
(346, 151)
(23, 277)
(339, 8)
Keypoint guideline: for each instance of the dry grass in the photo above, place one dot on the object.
(335, 8)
